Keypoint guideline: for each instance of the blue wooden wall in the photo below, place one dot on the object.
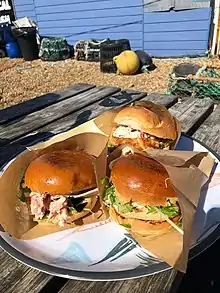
(177, 33)
(25, 8)
(161, 34)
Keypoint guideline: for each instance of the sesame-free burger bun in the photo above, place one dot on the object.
(61, 173)
(150, 118)
(140, 226)
(141, 179)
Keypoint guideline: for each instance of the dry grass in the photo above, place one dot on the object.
(20, 81)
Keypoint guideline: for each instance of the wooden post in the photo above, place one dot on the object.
(215, 23)
(218, 44)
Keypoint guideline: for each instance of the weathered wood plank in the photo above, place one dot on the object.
(209, 131)
(64, 124)
(122, 98)
(73, 120)
(157, 283)
(41, 102)
(117, 100)
(15, 129)
(16, 277)
(192, 112)
(92, 111)
(166, 100)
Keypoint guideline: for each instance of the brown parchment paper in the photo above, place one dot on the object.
(188, 172)
(14, 215)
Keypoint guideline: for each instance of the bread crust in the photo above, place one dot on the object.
(148, 117)
(141, 179)
(61, 173)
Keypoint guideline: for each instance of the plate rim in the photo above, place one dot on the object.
(114, 275)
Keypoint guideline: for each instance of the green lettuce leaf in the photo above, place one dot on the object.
(128, 226)
(22, 197)
(150, 209)
(23, 192)
(105, 181)
(73, 210)
(110, 194)
(110, 198)
(171, 211)
(125, 208)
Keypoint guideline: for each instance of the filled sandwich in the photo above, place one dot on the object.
(140, 196)
(55, 184)
(144, 125)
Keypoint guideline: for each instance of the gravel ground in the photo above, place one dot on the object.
(20, 81)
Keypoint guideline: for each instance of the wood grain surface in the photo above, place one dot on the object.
(79, 117)
(92, 111)
(70, 121)
(192, 112)
(150, 284)
(209, 131)
(16, 277)
(25, 124)
(38, 103)
(166, 100)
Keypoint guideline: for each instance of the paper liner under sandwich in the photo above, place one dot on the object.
(15, 217)
(188, 172)
(105, 122)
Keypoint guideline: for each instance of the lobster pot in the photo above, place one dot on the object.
(108, 51)
(93, 50)
(88, 50)
(125, 44)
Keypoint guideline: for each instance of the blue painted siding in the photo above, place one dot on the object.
(25, 8)
(84, 19)
(161, 34)
(176, 33)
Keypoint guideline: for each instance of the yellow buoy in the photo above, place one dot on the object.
(127, 62)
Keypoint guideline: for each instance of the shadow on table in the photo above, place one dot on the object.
(18, 112)
(4, 141)
(11, 150)
(54, 285)
(203, 273)
(121, 99)
(82, 118)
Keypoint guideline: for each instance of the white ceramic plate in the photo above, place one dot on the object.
(105, 251)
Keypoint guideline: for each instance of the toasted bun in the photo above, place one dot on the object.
(148, 117)
(140, 226)
(61, 173)
(141, 179)
(75, 216)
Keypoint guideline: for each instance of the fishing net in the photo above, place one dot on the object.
(204, 83)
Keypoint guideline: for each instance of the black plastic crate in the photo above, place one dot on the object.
(108, 51)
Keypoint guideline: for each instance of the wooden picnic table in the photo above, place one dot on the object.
(39, 119)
